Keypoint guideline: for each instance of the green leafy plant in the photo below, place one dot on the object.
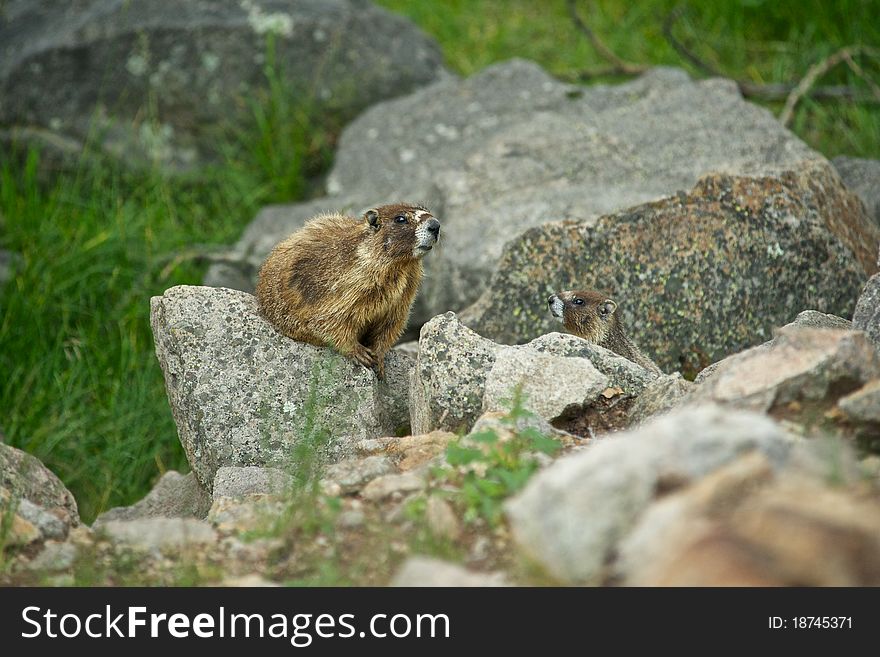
(489, 468)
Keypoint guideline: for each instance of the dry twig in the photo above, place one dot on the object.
(819, 69)
(618, 66)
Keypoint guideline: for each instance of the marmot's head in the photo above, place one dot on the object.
(586, 313)
(408, 231)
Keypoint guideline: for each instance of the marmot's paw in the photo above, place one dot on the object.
(364, 356)
(380, 368)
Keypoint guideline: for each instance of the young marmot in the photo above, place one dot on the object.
(347, 282)
(590, 315)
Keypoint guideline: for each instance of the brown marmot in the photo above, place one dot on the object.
(347, 282)
(590, 315)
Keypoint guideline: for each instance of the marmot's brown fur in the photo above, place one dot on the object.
(348, 282)
(590, 315)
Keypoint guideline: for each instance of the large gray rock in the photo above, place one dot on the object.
(698, 275)
(863, 177)
(512, 148)
(24, 477)
(571, 515)
(160, 80)
(867, 313)
(800, 365)
(243, 394)
(175, 495)
(449, 380)
(806, 318)
(621, 372)
(745, 525)
(548, 384)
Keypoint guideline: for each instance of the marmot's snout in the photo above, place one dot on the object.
(427, 235)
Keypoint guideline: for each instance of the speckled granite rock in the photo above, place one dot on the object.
(241, 393)
(446, 390)
(862, 176)
(549, 384)
(867, 313)
(448, 384)
(621, 372)
(24, 477)
(706, 272)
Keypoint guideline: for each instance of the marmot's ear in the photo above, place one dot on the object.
(372, 217)
(607, 308)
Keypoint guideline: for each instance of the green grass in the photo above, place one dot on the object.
(79, 383)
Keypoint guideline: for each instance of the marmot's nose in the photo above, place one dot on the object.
(551, 299)
(434, 227)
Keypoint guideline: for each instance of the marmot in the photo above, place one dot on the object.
(590, 315)
(347, 282)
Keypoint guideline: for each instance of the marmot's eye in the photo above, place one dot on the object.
(578, 302)
(401, 218)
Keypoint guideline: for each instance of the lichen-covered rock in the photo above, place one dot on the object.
(449, 377)
(427, 571)
(867, 313)
(703, 273)
(162, 80)
(243, 394)
(862, 176)
(571, 515)
(24, 477)
(800, 365)
(815, 319)
(548, 384)
(174, 496)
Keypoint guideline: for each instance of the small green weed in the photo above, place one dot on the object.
(488, 468)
